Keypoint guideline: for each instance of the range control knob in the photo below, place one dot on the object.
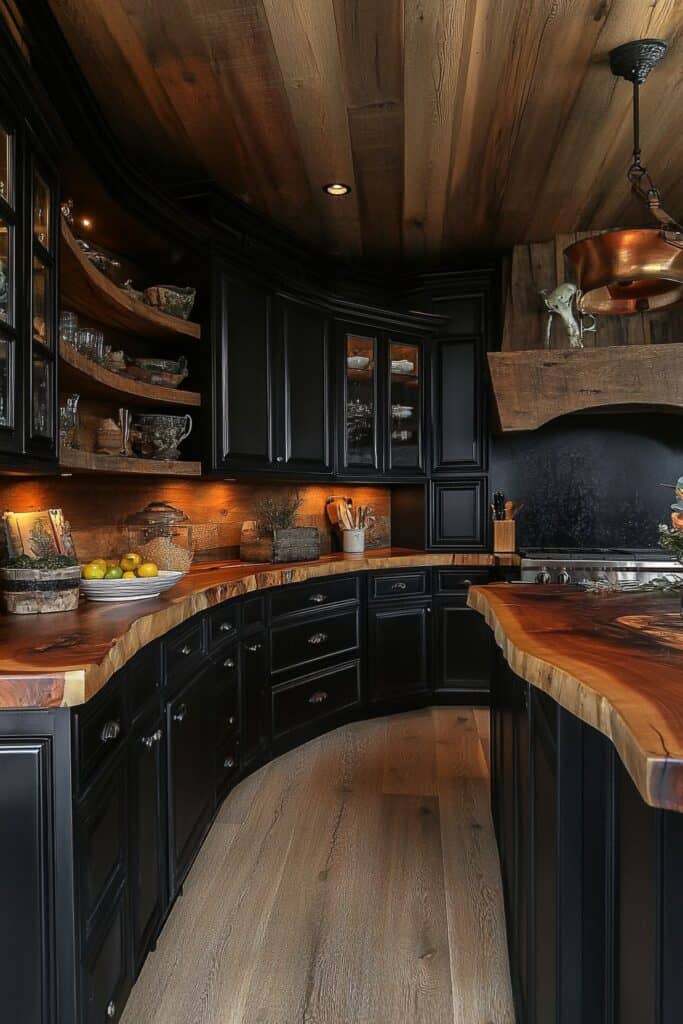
(563, 576)
(543, 576)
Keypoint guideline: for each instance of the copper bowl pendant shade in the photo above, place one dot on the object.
(629, 271)
(633, 270)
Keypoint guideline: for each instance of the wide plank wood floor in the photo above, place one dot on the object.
(353, 881)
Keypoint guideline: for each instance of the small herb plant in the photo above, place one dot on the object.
(275, 512)
(47, 562)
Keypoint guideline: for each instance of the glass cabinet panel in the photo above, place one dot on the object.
(404, 406)
(6, 272)
(41, 211)
(41, 397)
(361, 401)
(40, 304)
(6, 190)
(6, 382)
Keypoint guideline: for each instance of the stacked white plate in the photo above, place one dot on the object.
(137, 589)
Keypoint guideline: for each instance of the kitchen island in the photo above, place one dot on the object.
(587, 799)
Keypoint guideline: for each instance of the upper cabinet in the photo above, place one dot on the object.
(28, 291)
(273, 380)
(381, 403)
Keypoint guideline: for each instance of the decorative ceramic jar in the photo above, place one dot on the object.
(158, 435)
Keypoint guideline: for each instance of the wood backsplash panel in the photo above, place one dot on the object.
(97, 507)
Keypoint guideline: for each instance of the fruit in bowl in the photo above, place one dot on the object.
(128, 578)
(130, 566)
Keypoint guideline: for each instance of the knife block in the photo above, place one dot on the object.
(504, 536)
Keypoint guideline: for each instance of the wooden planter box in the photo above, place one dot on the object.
(34, 591)
(298, 544)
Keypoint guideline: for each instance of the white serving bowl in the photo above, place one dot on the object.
(137, 589)
(357, 362)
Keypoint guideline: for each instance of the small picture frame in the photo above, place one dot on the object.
(37, 534)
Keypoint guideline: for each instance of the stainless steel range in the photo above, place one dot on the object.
(600, 565)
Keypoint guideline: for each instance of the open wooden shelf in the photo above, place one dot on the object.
(89, 292)
(92, 462)
(90, 379)
(535, 386)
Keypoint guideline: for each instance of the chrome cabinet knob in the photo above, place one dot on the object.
(186, 649)
(399, 585)
(319, 697)
(252, 648)
(111, 1009)
(317, 598)
(468, 583)
(226, 627)
(280, 458)
(110, 731)
(231, 720)
(317, 638)
(229, 663)
(154, 737)
(229, 762)
(180, 713)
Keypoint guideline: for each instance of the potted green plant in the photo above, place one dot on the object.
(272, 535)
(49, 583)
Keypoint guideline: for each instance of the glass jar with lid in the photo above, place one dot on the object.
(162, 534)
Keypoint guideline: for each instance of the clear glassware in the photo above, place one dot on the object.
(68, 422)
(68, 326)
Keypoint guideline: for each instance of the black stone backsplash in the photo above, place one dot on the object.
(591, 481)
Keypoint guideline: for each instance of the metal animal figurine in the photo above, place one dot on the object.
(563, 301)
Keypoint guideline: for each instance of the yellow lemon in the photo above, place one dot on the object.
(93, 571)
(98, 561)
(128, 575)
(130, 562)
(115, 572)
(148, 569)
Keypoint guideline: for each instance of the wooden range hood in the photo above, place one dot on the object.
(536, 386)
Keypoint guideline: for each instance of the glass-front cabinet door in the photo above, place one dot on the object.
(9, 428)
(404, 375)
(360, 449)
(42, 419)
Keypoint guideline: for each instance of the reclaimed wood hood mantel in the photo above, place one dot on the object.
(536, 386)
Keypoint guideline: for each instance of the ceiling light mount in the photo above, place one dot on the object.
(635, 60)
(337, 189)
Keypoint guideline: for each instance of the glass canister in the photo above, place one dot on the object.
(162, 534)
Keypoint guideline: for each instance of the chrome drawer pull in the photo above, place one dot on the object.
(226, 627)
(399, 585)
(254, 647)
(180, 713)
(468, 583)
(229, 663)
(111, 1009)
(229, 762)
(319, 697)
(186, 649)
(110, 731)
(317, 638)
(153, 738)
(317, 598)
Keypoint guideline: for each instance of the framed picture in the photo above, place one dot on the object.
(37, 534)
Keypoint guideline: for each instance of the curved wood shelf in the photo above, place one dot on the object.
(94, 381)
(92, 462)
(536, 386)
(87, 291)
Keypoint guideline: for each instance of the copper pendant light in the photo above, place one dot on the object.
(636, 269)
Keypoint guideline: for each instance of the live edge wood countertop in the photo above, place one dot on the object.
(64, 659)
(613, 660)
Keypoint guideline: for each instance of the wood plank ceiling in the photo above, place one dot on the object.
(460, 124)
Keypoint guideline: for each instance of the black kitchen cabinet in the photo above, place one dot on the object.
(544, 858)
(253, 700)
(458, 514)
(147, 829)
(380, 401)
(106, 976)
(398, 651)
(462, 650)
(190, 772)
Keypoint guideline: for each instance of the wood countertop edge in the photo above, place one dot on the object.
(68, 687)
(658, 778)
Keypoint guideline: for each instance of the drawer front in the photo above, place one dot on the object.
(312, 698)
(101, 845)
(449, 580)
(143, 680)
(184, 654)
(393, 585)
(253, 613)
(303, 642)
(100, 733)
(315, 594)
(222, 625)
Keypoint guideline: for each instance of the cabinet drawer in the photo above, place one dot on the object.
(302, 642)
(450, 580)
(106, 972)
(143, 680)
(316, 594)
(307, 700)
(394, 585)
(101, 845)
(184, 654)
(222, 625)
(100, 732)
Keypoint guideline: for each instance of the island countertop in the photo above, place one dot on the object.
(65, 658)
(613, 660)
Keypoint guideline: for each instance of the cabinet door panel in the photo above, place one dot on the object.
(359, 441)
(404, 448)
(463, 647)
(458, 412)
(398, 651)
(253, 709)
(304, 390)
(101, 844)
(245, 429)
(106, 975)
(147, 832)
(458, 514)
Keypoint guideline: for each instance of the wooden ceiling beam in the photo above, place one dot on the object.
(307, 49)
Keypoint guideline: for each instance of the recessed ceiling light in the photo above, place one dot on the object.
(337, 188)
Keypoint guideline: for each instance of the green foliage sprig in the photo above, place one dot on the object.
(46, 562)
(672, 541)
(277, 512)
